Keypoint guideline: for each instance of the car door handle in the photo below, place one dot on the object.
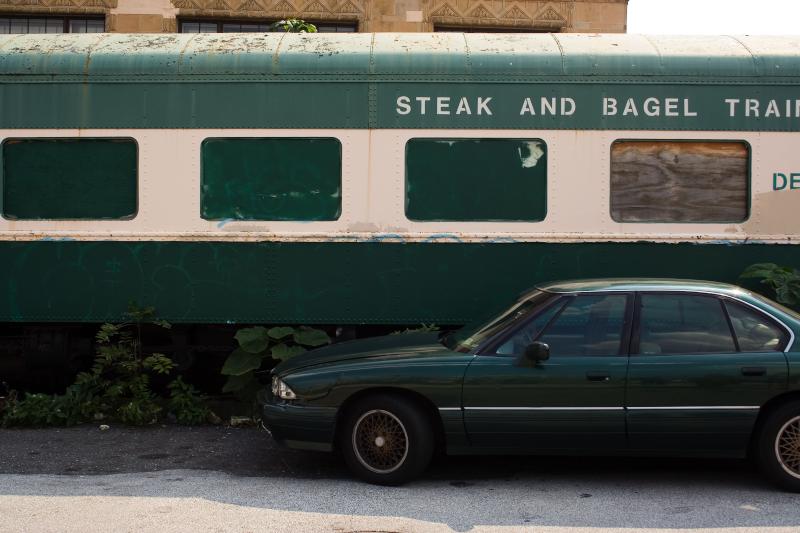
(598, 376)
(754, 371)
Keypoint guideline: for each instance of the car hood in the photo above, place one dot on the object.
(404, 345)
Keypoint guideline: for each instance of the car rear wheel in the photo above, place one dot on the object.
(779, 446)
(386, 439)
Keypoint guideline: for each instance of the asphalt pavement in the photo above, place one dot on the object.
(169, 479)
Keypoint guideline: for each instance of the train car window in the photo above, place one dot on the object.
(271, 179)
(476, 179)
(69, 179)
(680, 181)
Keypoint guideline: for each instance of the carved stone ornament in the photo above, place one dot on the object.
(315, 9)
(529, 14)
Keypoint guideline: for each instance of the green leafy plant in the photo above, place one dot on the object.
(783, 281)
(123, 372)
(186, 404)
(118, 386)
(422, 328)
(33, 410)
(260, 349)
(294, 26)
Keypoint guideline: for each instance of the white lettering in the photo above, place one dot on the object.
(630, 108)
(403, 105)
(671, 107)
(548, 106)
(609, 107)
(732, 102)
(527, 107)
(772, 109)
(567, 107)
(483, 105)
(443, 105)
(686, 111)
(652, 108)
(463, 107)
(423, 101)
(751, 106)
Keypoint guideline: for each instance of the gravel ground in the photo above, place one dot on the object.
(169, 479)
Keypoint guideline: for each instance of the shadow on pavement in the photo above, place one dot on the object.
(245, 467)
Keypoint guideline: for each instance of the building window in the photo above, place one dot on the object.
(69, 179)
(14, 24)
(271, 179)
(680, 181)
(250, 26)
(476, 179)
(497, 29)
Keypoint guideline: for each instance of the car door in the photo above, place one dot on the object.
(573, 400)
(700, 368)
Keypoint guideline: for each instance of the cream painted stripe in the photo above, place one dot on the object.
(22, 235)
(373, 191)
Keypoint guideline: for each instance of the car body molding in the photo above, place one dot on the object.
(658, 408)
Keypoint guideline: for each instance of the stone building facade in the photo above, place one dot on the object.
(160, 16)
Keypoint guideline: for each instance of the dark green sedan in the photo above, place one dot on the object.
(598, 367)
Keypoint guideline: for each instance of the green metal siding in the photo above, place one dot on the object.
(353, 81)
(69, 179)
(271, 179)
(138, 104)
(361, 105)
(476, 179)
(328, 283)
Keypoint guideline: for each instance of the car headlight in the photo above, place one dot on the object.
(282, 390)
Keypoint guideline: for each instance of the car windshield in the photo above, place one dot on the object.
(473, 335)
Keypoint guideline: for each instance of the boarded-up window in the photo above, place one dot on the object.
(271, 179)
(675, 181)
(69, 179)
(476, 179)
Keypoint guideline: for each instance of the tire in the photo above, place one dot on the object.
(386, 439)
(778, 446)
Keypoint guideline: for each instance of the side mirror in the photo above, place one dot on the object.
(537, 352)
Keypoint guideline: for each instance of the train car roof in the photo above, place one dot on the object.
(398, 56)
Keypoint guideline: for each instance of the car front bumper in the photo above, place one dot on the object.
(301, 427)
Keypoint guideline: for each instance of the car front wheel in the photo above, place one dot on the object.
(779, 446)
(386, 439)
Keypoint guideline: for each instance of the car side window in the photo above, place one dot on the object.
(529, 332)
(754, 331)
(590, 324)
(683, 324)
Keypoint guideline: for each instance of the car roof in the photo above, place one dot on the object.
(640, 284)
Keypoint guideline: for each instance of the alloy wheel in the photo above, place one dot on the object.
(380, 441)
(787, 447)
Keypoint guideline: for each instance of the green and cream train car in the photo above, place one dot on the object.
(383, 178)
